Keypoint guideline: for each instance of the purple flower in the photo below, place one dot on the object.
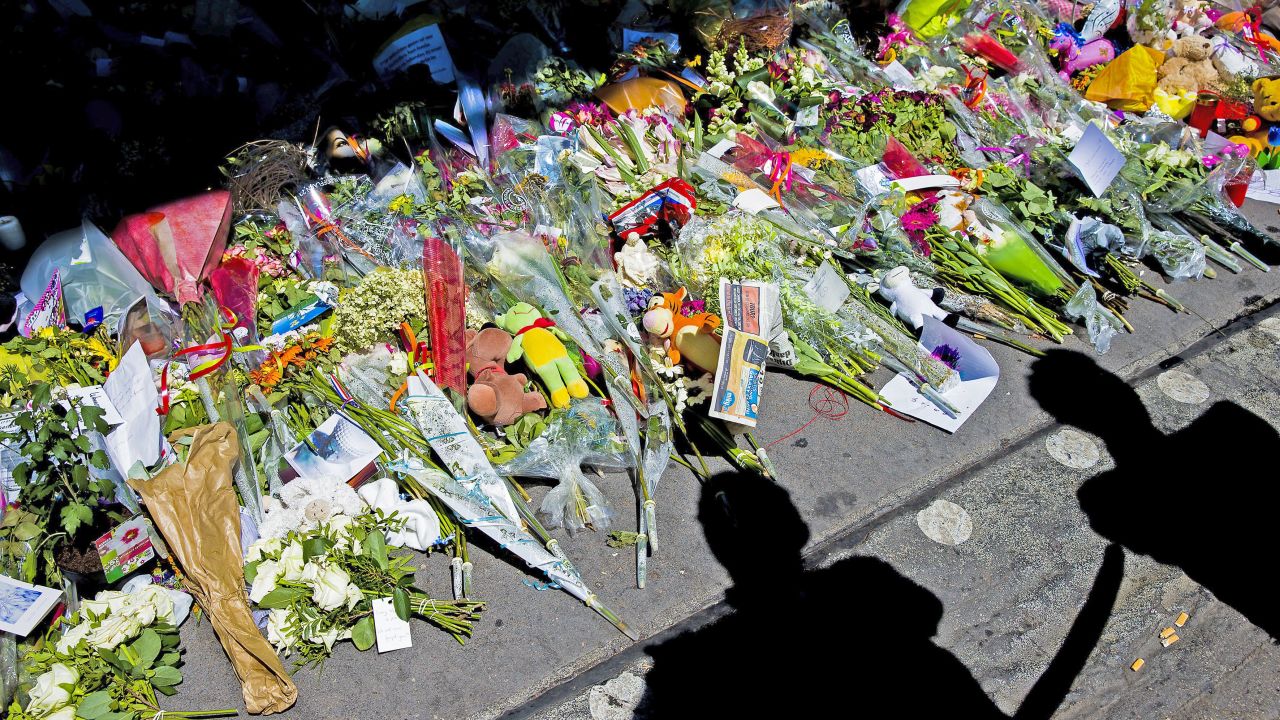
(947, 355)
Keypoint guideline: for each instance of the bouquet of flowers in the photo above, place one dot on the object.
(320, 586)
(108, 661)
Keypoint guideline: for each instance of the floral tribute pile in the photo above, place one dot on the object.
(275, 398)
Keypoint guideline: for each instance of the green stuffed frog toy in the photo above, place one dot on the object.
(538, 341)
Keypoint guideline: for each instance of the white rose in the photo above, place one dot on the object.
(354, 595)
(113, 631)
(106, 603)
(48, 694)
(329, 587)
(757, 90)
(340, 531)
(265, 581)
(291, 562)
(66, 713)
(278, 632)
(71, 638)
(158, 599)
(268, 546)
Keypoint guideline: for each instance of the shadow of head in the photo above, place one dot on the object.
(750, 523)
(1072, 388)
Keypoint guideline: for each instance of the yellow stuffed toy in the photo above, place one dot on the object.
(537, 340)
(1266, 105)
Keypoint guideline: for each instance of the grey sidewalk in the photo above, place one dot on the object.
(855, 481)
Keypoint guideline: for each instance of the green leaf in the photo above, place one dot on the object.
(281, 597)
(41, 395)
(251, 571)
(169, 658)
(79, 475)
(26, 531)
(75, 515)
(114, 660)
(400, 599)
(94, 705)
(363, 634)
(375, 546)
(315, 547)
(148, 647)
(166, 677)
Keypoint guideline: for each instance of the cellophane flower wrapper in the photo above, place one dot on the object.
(381, 235)
(235, 286)
(738, 246)
(1101, 324)
(828, 32)
(585, 434)
(520, 262)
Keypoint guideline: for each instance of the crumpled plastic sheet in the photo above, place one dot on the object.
(587, 434)
(1092, 234)
(1100, 322)
(1179, 255)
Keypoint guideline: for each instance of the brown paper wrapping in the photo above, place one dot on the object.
(195, 508)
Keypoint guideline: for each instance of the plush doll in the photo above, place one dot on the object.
(538, 341)
(909, 303)
(1190, 67)
(689, 338)
(1266, 105)
(494, 395)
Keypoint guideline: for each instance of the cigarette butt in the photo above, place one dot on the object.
(1137, 664)
(1182, 619)
(1166, 633)
(1169, 640)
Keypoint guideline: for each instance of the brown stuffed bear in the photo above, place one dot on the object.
(1189, 67)
(494, 395)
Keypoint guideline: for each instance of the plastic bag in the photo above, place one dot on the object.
(93, 270)
(150, 321)
(1129, 81)
(1100, 322)
(1180, 256)
(585, 434)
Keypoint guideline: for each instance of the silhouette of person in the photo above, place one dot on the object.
(852, 636)
(1199, 499)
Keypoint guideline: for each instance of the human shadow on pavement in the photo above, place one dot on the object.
(854, 636)
(1202, 499)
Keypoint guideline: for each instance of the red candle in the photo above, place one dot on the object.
(1202, 116)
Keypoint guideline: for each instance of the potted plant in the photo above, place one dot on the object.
(59, 493)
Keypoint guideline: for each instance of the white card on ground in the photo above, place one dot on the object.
(22, 605)
(754, 200)
(1097, 160)
(925, 182)
(978, 375)
(827, 288)
(392, 632)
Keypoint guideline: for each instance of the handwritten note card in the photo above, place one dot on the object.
(1097, 160)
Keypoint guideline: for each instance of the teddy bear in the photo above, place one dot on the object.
(1266, 105)
(1190, 67)
(495, 396)
(538, 341)
(909, 303)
